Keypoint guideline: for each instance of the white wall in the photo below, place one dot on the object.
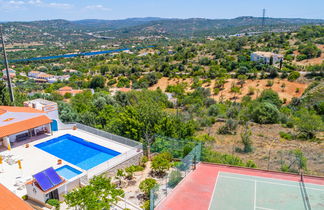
(35, 193)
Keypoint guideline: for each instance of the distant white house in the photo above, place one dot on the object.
(265, 57)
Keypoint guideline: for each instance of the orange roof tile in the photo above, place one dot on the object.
(66, 88)
(19, 109)
(23, 125)
(10, 201)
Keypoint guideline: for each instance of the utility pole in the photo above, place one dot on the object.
(263, 17)
(12, 98)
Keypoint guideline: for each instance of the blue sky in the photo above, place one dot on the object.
(25, 10)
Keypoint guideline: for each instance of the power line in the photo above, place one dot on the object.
(12, 98)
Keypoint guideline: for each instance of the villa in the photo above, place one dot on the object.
(266, 57)
(64, 90)
(44, 158)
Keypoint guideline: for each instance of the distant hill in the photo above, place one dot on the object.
(63, 30)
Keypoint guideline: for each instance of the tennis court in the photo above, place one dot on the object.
(237, 191)
(221, 187)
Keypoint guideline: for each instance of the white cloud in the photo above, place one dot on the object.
(60, 5)
(34, 3)
(97, 7)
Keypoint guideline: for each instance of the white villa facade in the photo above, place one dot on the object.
(265, 57)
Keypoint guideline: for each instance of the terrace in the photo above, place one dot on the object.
(34, 159)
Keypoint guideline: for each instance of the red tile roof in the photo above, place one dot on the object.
(23, 125)
(9, 201)
(4, 109)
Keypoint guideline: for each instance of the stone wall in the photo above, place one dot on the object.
(132, 161)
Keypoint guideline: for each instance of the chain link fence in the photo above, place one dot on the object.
(180, 170)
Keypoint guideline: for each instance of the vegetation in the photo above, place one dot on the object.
(99, 194)
(146, 186)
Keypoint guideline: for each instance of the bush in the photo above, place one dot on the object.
(250, 164)
(146, 186)
(229, 127)
(246, 140)
(287, 136)
(143, 161)
(54, 202)
(270, 96)
(269, 83)
(161, 162)
(67, 95)
(293, 76)
(146, 205)
(174, 179)
(24, 197)
(266, 113)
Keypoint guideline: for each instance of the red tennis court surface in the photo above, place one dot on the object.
(196, 189)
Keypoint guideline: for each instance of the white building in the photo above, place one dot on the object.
(265, 57)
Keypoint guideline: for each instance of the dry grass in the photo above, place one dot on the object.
(267, 137)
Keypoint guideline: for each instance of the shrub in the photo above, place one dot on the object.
(54, 202)
(266, 113)
(144, 160)
(293, 76)
(271, 97)
(146, 186)
(229, 127)
(213, 110)
(246, 140)
(68, 95)
(269, 83)
(24, 197)
(250, 164)
(287, 136)
(174, 179)
(251, 91)
(161, 162)
(146, 205)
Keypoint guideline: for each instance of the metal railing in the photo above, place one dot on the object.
(107, 135)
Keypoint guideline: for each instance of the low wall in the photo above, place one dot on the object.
(132, 161)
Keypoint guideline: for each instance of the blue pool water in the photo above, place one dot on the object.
(77, 151)
(68, 172)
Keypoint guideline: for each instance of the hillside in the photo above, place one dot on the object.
(63, 30)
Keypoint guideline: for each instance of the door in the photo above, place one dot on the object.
(54, 195)
(54, 126)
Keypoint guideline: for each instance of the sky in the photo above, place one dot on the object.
(27, 10)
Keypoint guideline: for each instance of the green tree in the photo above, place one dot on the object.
(97, 82)
(266, 113)
(99, 194)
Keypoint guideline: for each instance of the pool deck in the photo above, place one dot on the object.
(35, 160)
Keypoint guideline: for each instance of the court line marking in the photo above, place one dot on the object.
(254, 202)
(212, 198)
(258, 207)
(270, 182)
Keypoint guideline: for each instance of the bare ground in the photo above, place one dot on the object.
(288, 92)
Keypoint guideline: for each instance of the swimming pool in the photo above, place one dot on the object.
(68, 172)
(77, 151)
